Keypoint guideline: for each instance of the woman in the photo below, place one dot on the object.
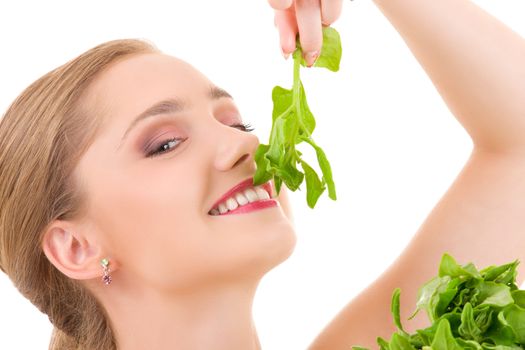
(105, 150)
(103, 219)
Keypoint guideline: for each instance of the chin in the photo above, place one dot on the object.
(280, 249)
(289, 247)
(267, 245)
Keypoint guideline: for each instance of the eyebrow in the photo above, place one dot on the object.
(171, 105)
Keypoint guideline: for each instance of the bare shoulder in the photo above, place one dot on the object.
(479, 219)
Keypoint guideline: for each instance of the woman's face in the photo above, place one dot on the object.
(150, 212)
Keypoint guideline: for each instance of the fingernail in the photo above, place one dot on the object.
(285, 55)
(311, 57)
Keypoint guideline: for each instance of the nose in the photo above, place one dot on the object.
(235, 147)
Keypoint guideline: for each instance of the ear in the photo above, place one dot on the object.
(73, 250)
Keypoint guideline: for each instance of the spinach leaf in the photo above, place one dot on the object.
(469, 309)
(444, 339)
(294, 123)
(395, 309)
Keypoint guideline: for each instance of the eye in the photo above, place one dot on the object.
(165, 146)
(172, 143)
(244, 126)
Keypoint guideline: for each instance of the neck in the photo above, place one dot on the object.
(214, 318)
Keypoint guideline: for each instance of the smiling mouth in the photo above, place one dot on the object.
(255, 206)
(245, 200)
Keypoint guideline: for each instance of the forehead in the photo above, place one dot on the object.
(131, 75)
(129, 86)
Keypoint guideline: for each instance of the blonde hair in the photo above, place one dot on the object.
(43, 134)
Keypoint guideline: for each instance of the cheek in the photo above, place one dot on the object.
(153, 212)
(155, 228)
(284, 201)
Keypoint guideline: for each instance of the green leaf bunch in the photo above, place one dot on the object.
(294, 123)
(468, 310)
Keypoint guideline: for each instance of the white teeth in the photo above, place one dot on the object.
(262, 193)
(231, 204)
(251, 195)
(222, 208)
(241, 199)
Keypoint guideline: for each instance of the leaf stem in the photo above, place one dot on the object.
(297, 83)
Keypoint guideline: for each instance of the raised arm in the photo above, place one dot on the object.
(478, 66)
(475, 62)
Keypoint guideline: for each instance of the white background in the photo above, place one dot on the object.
(393, 145)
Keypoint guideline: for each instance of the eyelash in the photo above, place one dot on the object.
(246, 127)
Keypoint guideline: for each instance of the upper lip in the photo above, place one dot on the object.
(240, 187)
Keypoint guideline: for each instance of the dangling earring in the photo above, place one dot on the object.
(106, 278)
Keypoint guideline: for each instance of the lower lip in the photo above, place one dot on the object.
(266, 203)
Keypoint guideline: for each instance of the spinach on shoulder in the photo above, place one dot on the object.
(468, 309)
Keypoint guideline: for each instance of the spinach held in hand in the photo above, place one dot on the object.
(293, 123)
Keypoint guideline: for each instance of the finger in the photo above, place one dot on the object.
(287, 26)
(330, 11)
(308, 14)
(280, 4)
